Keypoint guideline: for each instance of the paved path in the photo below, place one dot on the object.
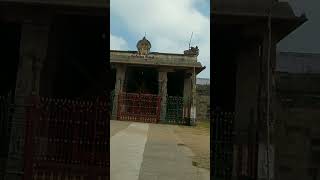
(117, 126)
(126, 152)
(150, 152)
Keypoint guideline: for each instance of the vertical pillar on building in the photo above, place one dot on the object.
(33, 49)
(262, 121)
(120, 77)
(187, 96)
(193, 104)
(163, 79)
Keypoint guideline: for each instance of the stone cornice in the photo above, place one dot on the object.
(157, 62)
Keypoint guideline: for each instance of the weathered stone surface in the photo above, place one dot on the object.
(297, 131)
(203, 102)
(163, 79)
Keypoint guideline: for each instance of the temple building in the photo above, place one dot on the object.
(155, 87)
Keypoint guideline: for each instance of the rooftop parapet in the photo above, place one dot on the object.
(132, 55)
(143, 52)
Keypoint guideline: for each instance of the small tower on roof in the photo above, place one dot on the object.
(144, 46)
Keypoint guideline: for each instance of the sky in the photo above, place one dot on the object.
(168, 25)
(305, 38)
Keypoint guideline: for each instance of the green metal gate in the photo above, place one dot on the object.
(177, 110)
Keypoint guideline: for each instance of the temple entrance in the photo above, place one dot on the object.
(175, 83)
(175, 101)
(140, 101)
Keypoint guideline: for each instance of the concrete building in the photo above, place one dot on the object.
(154, 87)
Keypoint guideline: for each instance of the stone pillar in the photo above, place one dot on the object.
(120, 78)
(163, 79)
(262, 107)
(33, 49)
(187, 96)
(246, 96)
(193, 109)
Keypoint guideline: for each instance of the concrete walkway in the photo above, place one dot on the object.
(117, 126)
(126, 152)
(151, 152)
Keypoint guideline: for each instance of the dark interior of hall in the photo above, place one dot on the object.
(77, 61)
(224, 70)
(9, 55)
(175, 83)
(223, 78)
(141, 80)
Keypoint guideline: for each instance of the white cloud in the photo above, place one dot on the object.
(118, 43)
(168, 25)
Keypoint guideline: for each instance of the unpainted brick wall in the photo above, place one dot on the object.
(203, 102)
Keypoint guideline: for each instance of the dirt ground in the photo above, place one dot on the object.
(197, 138)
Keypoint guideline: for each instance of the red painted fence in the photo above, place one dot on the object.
(67, 139)
(139, 107)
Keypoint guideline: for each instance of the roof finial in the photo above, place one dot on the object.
(143, 46)
(145, 34)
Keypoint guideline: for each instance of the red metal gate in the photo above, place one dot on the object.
(66, 139)
(139, 107)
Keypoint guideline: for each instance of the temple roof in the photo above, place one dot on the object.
(143, 57)
(249, 12)
(181, 61)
